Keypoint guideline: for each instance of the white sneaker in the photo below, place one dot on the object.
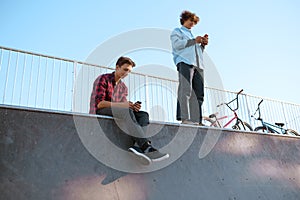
(140, 155)
(155, 155)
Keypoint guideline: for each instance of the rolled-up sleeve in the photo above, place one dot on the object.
(100, 89)
(98, 93)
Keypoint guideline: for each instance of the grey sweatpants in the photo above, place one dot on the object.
(190, 92)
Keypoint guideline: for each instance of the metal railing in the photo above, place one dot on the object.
(40, 81)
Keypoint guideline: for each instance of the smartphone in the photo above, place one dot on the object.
(139, 102)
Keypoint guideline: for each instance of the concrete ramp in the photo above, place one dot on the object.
(48, 155)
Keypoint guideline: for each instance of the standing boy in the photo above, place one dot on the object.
(187, 53)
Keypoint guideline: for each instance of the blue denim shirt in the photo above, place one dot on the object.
(183, 47)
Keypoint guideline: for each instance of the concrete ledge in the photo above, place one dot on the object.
(45, 156)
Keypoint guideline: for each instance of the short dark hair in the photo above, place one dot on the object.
(125, 60)
(186, 15)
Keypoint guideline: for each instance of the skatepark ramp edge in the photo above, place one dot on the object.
(61, 155)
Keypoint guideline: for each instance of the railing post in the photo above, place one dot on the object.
(284, 115)
(6, 79)
(73, 84)
(248, 110)
(147, 92)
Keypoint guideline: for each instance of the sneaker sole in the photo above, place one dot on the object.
(161, 158)
(142, 158)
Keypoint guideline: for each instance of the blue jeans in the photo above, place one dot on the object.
(190, 94)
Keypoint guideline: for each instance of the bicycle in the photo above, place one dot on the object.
(214, 121)
(271, 128)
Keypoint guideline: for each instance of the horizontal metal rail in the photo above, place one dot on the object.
(35, 80)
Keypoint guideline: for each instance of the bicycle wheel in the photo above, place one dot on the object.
(246, 126)
(209, 122)
(262, 129)
(292, 132)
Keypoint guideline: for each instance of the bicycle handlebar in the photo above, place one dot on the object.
(240, 91)
(258, 109)
(237, 101)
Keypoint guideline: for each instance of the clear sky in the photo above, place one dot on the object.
(254, 44)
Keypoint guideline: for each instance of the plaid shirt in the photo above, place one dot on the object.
(105, 89)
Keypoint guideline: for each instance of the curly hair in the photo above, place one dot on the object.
(186, 15)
